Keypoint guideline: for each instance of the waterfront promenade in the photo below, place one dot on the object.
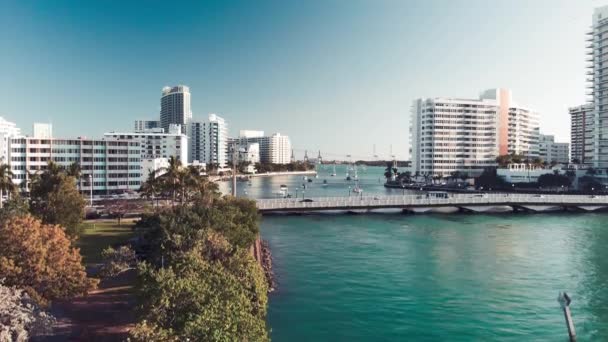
(424, 203)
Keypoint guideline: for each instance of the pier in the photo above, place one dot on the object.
(420, 203)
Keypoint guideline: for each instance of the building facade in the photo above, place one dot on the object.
(273, 149)
(581, 134)
(157, 145)
(198, 142)
(147, 126)
(218, 141)
(466, 135)
(553, 152)
(175, 107)
(8, 130)
(597, 79)
(113, 166)
(42, 130)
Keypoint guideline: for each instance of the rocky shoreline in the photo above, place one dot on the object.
(266, 262)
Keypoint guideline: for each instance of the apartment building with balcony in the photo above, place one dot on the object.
(466, 135)
(108, 166)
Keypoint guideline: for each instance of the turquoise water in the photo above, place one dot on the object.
(430, 277)
(371, 180)
(437, 277)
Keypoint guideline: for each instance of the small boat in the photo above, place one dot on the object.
(333, 174)
(309, 180)
(325, 182)
(283, 187)
(357, 189)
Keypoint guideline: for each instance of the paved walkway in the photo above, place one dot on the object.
(106, 314)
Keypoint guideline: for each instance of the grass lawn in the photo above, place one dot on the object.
(100, 234)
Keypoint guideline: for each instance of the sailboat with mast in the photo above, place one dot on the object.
(357, 189)
(333, 174)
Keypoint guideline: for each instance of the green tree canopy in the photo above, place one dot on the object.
(55, 199)
(211, 293)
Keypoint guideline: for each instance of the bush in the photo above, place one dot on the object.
(116, 261)
(201, 299)
(20, 317)
(40, 259)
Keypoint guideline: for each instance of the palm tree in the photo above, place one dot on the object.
(6, 182)
(388, 172)
(150, 188)
(170, 176)
(75, 171)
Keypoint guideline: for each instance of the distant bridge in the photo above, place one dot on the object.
(423, 203)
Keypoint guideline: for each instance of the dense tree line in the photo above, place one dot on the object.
(198, 280)
(294, 166)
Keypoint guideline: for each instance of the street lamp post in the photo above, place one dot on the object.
(91, 189)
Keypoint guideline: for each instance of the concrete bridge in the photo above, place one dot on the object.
(434, 203)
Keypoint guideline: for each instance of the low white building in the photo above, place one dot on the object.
(157, 145)
(156, 165)
(245, 152)
(521, 173)
(113, 166)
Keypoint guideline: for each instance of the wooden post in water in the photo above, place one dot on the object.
(564, 300)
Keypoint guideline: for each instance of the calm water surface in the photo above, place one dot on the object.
(430, 277)
(437, 277)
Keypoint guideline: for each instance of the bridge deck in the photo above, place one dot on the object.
(414, 201)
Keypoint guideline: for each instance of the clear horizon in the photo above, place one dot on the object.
(334, 77)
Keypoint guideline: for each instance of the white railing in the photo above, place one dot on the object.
(422, 200)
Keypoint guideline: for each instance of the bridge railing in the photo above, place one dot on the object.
(418, 200)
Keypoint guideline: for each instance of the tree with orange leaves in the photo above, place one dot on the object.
(40, 259)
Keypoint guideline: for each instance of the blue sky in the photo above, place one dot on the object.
(338, 75)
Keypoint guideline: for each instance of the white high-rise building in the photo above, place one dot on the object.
(8, 130)
(175, 107)
(553, 152)
(597, 77)
(466, 135)
(581, 134)
(218, 141)
(42, 130)
(157, 145)
(278, 149)
(198, 140)
(208, 141)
